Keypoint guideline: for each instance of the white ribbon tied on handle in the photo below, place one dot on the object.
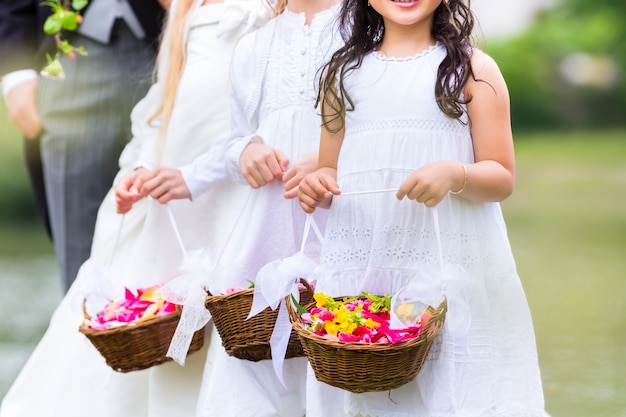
(451, 281)
(187, 290)
(274, 282)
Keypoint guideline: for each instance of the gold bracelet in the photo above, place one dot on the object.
(464, 181)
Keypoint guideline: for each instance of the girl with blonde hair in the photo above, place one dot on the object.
(181, 116)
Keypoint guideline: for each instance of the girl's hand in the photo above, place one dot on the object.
(166, 184)
(295, 174)
(261, 164)
(430, 183)
(127, 189)
(317, 189)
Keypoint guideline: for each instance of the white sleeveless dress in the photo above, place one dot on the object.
(375, 243)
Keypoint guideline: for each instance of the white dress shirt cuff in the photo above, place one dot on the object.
(194, 184)
(15, 78)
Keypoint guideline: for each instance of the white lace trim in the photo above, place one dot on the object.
(297, 53)
(461, 248)
(379, 55)
(509, 412)
(422, 125)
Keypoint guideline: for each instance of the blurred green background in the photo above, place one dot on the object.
(567, 218)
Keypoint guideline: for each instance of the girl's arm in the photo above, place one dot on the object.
(242, 127)
(317, 189)
(491, 177)
(247, 157)
(222, 159)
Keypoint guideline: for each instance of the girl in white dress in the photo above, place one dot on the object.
(273, 143)
(66, 376)
(417, 120)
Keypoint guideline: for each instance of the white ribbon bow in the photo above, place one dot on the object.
(274, 282)
(96, 286)
(187, 290)
(451, 281)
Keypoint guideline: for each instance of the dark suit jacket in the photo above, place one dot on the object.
(23, 43)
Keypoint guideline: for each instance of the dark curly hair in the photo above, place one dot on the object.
(362, 28)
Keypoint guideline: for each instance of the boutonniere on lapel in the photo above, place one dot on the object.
(65, 16)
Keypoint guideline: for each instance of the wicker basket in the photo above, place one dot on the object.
(361, 367)
(138, 346)
(249, 339)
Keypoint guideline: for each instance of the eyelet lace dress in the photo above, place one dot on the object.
(376, 243)
(273, 81)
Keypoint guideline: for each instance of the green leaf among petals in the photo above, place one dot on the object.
(379, 303)
(300, 309)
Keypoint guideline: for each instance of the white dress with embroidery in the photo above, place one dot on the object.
(66, 376)
(273, 81)
(375, 243)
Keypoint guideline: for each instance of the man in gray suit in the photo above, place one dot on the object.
(82, 122)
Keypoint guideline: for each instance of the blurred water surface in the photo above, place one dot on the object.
(31, 292)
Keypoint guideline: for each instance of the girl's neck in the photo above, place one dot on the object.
(310, 7)
(403, 41)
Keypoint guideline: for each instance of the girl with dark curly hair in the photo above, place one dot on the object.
(411, 108)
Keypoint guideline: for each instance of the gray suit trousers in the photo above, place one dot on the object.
(86, 122)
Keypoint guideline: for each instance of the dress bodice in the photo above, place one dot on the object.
(298, 51)
(396, 125)
(202, 93)
(374, 242)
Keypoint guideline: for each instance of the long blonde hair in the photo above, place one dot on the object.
(175, 55)
(278, 7)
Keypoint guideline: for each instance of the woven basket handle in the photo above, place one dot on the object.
(307, 286)
(84, 307)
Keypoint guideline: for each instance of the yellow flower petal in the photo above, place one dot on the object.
(320, 299)
(149, 295)
(404, 310)
(370, 324)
